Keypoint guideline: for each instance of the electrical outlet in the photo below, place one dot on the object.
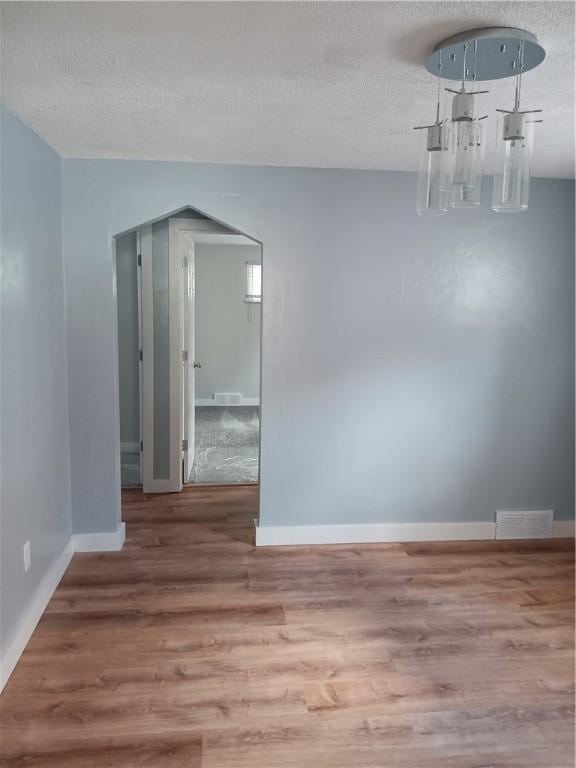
(27, 556)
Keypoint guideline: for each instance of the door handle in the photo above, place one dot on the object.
(197, 365)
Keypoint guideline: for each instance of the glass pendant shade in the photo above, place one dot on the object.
(511, 184)
(434, 172)
(466, 197)
(468, 156)
(467, 150)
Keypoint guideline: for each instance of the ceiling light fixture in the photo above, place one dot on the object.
(452, 160)
(435, 167)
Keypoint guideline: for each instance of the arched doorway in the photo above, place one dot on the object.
(189, 340)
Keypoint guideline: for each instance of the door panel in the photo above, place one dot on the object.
(189, 372)
(161, 363)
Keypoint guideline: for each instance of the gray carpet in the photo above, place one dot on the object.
(130, 469)
(226, 449)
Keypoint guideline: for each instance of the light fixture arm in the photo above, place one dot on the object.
(519, 111)
(437, 123)
(439, 79)
(463, 90)
(514, 123)
(518, 88)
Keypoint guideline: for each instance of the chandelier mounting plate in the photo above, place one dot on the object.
(491, 53)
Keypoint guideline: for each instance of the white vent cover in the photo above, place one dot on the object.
(528, 524)
(228, 398)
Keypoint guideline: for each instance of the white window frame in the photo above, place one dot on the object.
(252, 298)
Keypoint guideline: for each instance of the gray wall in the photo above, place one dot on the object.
(413, 369)
(227, 329)
(128, 362)
(35, 455)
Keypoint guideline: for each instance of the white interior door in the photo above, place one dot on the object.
(161, 393)
(140, 347)
(186, 247)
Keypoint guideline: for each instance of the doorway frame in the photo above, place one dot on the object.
(111, 255)
(204, 232)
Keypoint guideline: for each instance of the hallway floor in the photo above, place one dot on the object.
(227, 444)
(191, 648)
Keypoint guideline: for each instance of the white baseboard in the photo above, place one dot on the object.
(371, 533)
(34, 613)
(270, 536)
(79, 542)
(100, 542)
(244, 401)
(563, 529)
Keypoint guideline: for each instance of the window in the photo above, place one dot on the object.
(253, 283)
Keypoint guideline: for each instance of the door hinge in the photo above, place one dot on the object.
(184, 355)
(141, 355)
(139, 259)
(184, 445)
(141, 445)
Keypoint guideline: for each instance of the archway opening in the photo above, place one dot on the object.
(189, 301)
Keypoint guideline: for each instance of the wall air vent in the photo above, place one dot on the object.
(524, 524)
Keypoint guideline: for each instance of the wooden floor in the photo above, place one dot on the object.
(192, 648)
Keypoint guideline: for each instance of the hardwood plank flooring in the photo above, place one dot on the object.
(193, 648)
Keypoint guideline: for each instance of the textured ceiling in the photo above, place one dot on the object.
(301, 83)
